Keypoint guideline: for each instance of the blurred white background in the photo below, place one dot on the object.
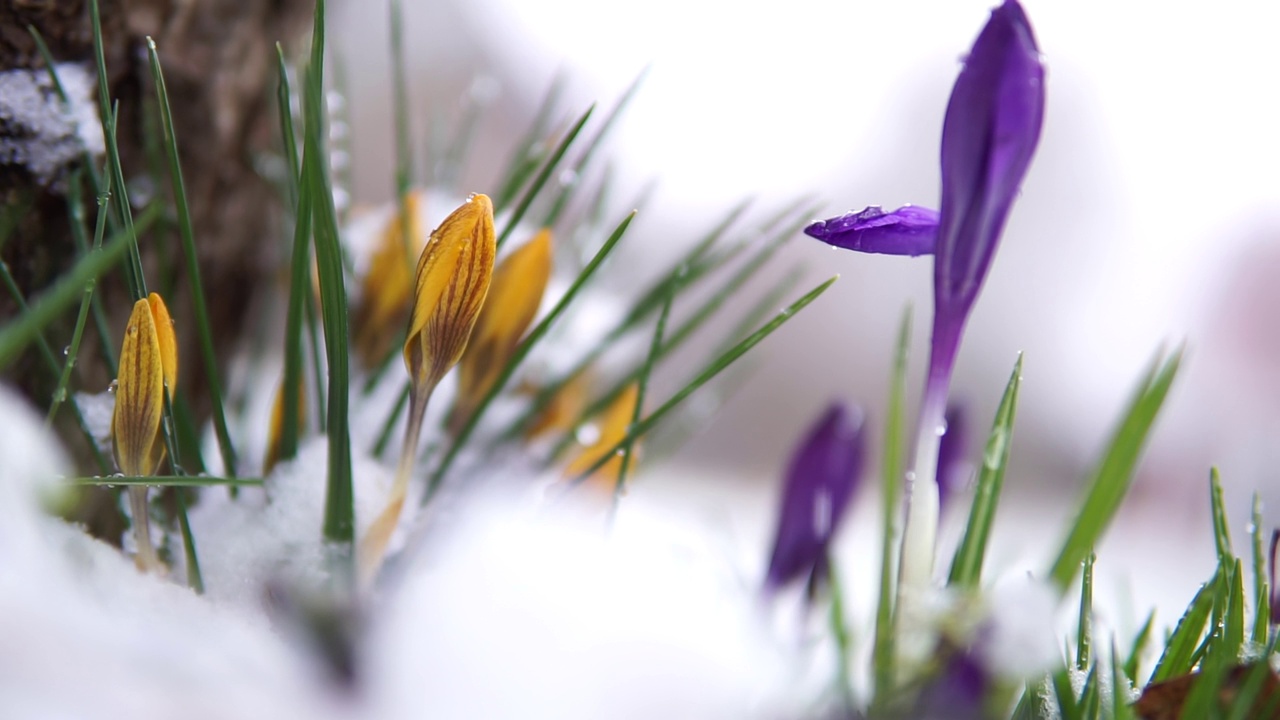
(1151, 215)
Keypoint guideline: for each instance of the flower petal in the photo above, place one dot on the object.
(991, 130)
(909, 230)
(168, 341)
(135, 421)
(820, 480)
(387, 288)
(953, 462)
(612, 426)
(514, 297)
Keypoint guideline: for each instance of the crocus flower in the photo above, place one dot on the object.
(1271, 573)
(148, 369)
(514, 296)
(957, 692)
(953, 461)
(450, 286)
(909, 230)
(991, 130)
(820, 480)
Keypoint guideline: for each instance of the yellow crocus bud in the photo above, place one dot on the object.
(612, 425)
(277, 426)
(385, 295)
(514, 297)
(450, 286)
(148, 365)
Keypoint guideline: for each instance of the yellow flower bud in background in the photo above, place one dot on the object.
(450, 286)
(514, 297)
(612, 426)
(387, 287)
(563, 409)
(277, 426)
(148, 363)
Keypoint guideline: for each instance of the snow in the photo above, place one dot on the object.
(40, 131)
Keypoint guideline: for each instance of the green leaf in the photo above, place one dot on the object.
(1221, 532)
(1111, 480)
(639, 429)
(1084, 626)
(883, 653)
(194, 578)
(1139, 646)
(1178, 650)
(1233, 628)
(299, 273)
(966, 566)
(1121, 682)
(1068, 704)
(541, 179)
(339, 513)
(166, 481)
(203, 329)
(1261, 589)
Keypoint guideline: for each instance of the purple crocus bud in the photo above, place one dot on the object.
(991, 130)
(820, 480)
(953, 457)
(909, 230)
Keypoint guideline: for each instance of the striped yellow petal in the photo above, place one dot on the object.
(450, 286)
(135, 422)
(386, 290)
(514, 297)
(611, 426)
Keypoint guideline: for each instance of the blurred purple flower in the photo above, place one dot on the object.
(1271, 572)
(823, 473)
(909, 230)
(953, 458)
(958, 692)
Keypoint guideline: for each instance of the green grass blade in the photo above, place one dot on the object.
(339, 512)
(1179, 649)
(1221, 531)
(642, 387)
(843, 639)
(1111, 480)
(400, 99)
(181, 481)
(194, 578)
(574, 179)
(1068, 703)
(1233, 625)
(86, 302)
(1091, 696)
(1202, 700)
(1139, 646)
(531, 150)
(639, 429)
(187, 233)
(1261, 589)
(531, 340)
(1120, 684)
(1084, 626)
(1246, 703)
(16, 335)
(541, 179)
(384, 437)
(299, 271)
(966, 566)
(883, 652)
(137, 283)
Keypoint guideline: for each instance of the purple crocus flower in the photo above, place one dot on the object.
(909, 230)
(990, 132)
(958, 692)
(953, 458)
(1271, 573)
(820, 480)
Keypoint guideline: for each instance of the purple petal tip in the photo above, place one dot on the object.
(910, 230)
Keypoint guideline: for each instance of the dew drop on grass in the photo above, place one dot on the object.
(66, 350)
